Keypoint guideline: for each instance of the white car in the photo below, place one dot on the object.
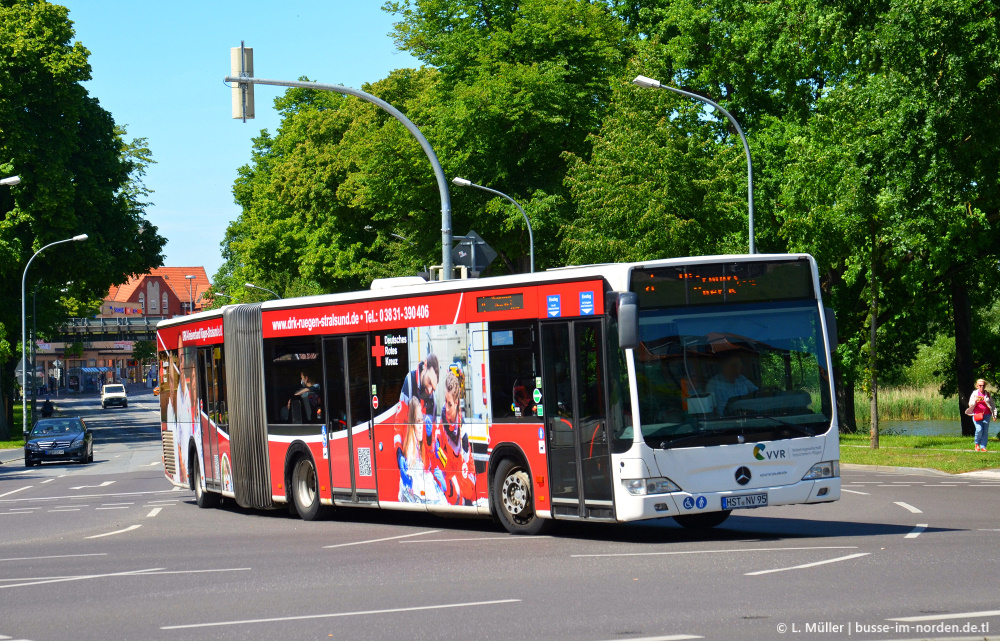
(113, 394)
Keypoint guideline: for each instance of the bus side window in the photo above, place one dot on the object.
(514, 368)
(293, 376)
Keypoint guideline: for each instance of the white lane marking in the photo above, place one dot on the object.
(177, 488)
(48, 480)
(20, 489)
(153, 463)
(89, 496)
(128, 529)
(940, 617)
(80, 487)
(341, 614)
(844, 489)
(77, 578)
(823, 547)
(197, 571)
(23, 509)
(5, 637)
(482, 538)
(24, 472)
(907, 506)
(15, 512)
(153, 512)
(916, 531)
(388, 538)
(669, 637)
(70, 509)
(905, 485)
(809, 565)
(989, 530)
(54, 556)
(121, 507)
(122, 503)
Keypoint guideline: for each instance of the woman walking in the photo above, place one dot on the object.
(981, 407)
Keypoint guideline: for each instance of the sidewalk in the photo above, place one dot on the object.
(12, 456)
(978, 474)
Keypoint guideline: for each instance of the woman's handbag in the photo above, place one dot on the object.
(978, 416)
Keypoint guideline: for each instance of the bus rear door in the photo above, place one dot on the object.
(349, 417)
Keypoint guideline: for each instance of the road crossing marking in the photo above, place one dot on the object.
(20, 489)
(844, 489)
(80, 487)
(128, 529)
(727, 551)
(809, 565)
(340, 614)
(916, 531)
(388, 538)
(153, 512)
(48, 480)
(907, 506)
(957, 615)
(54, 556)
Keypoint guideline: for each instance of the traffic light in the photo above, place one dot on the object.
(241, 64)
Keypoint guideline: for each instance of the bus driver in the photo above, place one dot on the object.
(729, 383)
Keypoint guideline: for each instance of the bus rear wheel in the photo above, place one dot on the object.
(305, 490)
(702, 521)
(203, 498)
(514, 501)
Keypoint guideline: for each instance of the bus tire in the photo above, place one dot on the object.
(703, 520)
(513, 500)
(305, 489)
(203, 498)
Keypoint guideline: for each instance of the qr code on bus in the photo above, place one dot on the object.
(364, 461)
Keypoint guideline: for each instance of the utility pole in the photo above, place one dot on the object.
(246, 80)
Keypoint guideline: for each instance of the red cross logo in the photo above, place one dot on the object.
(378, 351)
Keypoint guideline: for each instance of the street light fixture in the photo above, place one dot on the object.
(24, 323)
(263, 289)
(650, 83)
(12, 180)
(462, 182)
(190, 278)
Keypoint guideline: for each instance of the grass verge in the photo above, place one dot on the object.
(15, 431)
(953, 454)
(907, 404)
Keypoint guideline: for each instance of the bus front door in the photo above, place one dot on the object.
(349, 419)
(575, 409)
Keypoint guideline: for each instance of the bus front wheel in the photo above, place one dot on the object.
(703, 520)
(514, 501)
(305, 490)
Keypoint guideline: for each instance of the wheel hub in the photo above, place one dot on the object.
(516, 493)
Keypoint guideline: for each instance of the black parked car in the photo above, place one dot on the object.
(59, 439)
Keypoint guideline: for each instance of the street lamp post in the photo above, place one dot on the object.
(462, 182)
(263, 289)
(190, 278)
(442, 181)
(650, 83)
(11, 180)
(24, 321)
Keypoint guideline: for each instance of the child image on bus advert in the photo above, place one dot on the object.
(451, 460)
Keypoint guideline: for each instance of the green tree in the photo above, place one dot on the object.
(78, 175)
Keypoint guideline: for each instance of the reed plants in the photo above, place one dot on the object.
(906, 404)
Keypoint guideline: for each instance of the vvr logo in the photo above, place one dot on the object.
(760, 454)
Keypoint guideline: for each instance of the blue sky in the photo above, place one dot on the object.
(158, 68)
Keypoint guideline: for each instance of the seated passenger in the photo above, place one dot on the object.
(729, 383)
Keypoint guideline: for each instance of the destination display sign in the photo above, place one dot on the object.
(722, 283)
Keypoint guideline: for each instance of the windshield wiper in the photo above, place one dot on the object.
(802, 429)
(666, 445)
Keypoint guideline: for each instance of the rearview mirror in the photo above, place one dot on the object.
(625, 306)
(831, 328)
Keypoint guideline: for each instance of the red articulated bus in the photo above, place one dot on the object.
(609, 393)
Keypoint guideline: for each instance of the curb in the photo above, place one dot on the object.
(925, 471)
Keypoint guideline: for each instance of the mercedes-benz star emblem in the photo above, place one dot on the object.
(743, 475)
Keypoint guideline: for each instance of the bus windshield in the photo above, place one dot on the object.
(722, 374)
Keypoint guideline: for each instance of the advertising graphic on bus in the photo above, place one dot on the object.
(684, 388)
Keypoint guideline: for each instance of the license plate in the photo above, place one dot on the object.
(744, 501)
(57, 452)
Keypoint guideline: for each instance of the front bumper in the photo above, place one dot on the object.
(41, 456)
(635, 508)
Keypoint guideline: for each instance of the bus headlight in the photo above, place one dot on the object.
(643, 487)
(824, 470)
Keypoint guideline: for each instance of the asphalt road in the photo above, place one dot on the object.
(111, 551)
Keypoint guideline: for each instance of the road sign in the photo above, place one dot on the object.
(473, 252)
